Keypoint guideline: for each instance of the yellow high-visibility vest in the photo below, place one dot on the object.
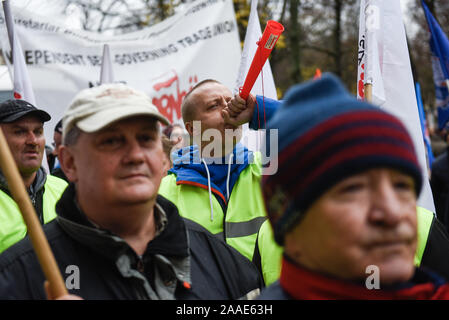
(12, 226)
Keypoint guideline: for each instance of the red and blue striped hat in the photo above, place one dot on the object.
(325, 135)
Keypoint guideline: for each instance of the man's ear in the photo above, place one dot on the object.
(292, 247)
(67, 161)
(189, 127)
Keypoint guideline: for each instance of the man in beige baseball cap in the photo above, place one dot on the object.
(125, 240)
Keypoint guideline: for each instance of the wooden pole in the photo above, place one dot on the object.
(35, 232)
(368, 92)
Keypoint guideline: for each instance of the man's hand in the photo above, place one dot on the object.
(238, 111)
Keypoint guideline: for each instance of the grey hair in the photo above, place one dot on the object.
(71, 137)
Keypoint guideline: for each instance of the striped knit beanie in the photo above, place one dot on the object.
(324, 136)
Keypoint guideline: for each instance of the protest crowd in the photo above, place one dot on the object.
(136, 206)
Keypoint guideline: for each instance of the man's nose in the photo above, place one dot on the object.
(134, 152)
(31, 138)
(387, 208)
(223, 102)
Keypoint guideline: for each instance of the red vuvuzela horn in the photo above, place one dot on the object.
(266, 44)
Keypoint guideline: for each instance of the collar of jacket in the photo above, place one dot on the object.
(36, 186)
(304, 284)
(224, 172)
(169, 247)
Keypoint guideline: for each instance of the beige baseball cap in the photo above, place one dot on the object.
(95, 108)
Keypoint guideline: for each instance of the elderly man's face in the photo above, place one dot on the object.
(366, 219)
(121, 164)
(27, 143)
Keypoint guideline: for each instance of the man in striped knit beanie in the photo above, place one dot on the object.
(343, 200)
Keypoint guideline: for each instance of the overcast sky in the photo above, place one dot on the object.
(53, 7)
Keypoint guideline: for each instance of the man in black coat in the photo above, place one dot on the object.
(439, 181)
(114, 237)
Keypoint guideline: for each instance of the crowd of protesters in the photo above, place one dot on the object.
(146, 209)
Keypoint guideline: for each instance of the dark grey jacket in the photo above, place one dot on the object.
(184, 261)
(439, 181)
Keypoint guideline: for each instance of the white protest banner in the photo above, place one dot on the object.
(383, 45)
(164, 60)
(21, 80)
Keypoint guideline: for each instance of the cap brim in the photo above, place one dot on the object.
(104, 118)
(41, 114)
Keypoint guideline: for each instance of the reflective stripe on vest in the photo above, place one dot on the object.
(12, 227)
(424, 222)
(245, 228)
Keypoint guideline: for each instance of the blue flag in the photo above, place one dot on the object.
(439, 46)
(425, 129)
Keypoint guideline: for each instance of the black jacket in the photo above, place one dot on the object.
(184, 261)
(439, 181)
(57, 172)
(436, 253)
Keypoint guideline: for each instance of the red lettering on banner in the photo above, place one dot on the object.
(361, 84)
(169, 96)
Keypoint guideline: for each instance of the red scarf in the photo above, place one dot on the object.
(302, 284)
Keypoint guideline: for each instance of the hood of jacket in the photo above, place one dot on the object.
(36, 186)
(218, 175)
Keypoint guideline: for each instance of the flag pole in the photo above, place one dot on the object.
(35, 232)
(9, 22)
(368, 85)
(368, 92)
(106, 72)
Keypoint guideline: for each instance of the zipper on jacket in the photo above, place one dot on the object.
(140, 265)
(33, 202)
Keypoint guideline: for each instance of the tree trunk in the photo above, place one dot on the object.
(162, 14)
(338, 6)
(294, 33)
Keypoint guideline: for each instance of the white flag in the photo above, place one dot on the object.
(22, 84)
(106, 74)
(252, 36)
(264, 84)
(384, 62)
